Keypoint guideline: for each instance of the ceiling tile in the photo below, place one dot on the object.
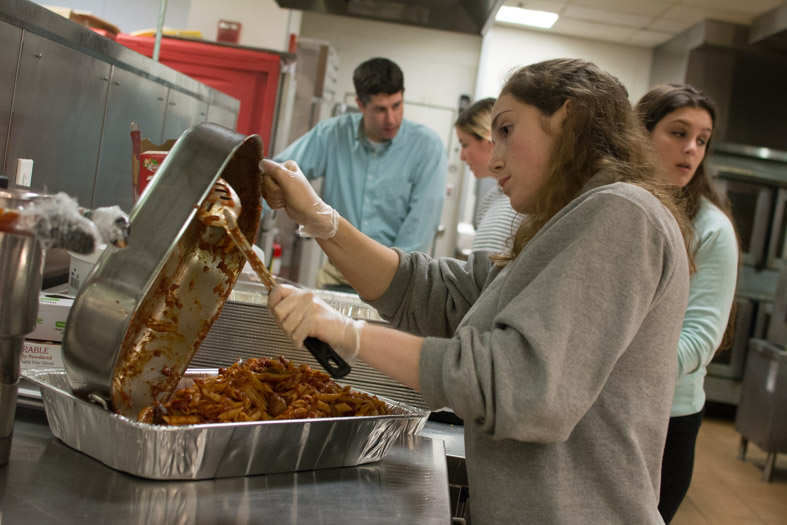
(649, 38)
(643, 22)
(605, 16)
(637, 7)
(594, 30)
(695, 14)
(671, 25)
(552, 6)
(753, 7)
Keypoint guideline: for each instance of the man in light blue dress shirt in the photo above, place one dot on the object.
(384, 174)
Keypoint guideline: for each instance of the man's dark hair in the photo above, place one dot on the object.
(375, 76)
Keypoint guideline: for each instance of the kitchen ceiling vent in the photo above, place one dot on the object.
(461, 16)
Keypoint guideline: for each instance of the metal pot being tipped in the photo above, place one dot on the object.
(142, 313)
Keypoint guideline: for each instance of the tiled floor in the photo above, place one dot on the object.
(726, 491)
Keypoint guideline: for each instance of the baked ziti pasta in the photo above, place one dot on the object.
(262, 389)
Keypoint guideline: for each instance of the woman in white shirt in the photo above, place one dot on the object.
(495, 221)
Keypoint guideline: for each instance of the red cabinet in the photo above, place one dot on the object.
(251, 76)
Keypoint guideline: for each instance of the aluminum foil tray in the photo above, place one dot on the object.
(218, 450)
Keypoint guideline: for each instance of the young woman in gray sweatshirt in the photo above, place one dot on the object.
(559, 356)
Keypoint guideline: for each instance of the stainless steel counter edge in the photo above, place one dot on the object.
(39, 20)
(46, 481)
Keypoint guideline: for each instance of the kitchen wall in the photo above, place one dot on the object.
(131, 15)
(438, 65)
(265, 24)
(505, 48)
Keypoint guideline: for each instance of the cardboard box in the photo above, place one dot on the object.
(36, 354)
(52, 315)
(146, 158)
(149, 165)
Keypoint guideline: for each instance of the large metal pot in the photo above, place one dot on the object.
(21, 268)
(144, 310)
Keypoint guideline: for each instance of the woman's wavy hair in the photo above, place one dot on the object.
(600, 132)
(654, 106)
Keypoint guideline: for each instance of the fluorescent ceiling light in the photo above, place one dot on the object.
(526, 17)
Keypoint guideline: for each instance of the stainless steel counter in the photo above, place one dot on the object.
(47, 482)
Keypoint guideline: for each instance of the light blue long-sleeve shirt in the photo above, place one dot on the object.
(711, 293)
(393, 192)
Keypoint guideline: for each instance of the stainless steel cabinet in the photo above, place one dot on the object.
(751, 209)
(222, 117)
(10, 41)
(132, 98)
(730, 361)
(777, 247)
(58, 111)
(183, 112)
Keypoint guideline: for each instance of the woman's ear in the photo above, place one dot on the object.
(568, 107)
(559, 117)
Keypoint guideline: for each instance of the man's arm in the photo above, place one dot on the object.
(426, 202)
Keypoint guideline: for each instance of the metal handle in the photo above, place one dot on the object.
(327, 357)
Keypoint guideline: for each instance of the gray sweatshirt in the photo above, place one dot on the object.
(562, 365)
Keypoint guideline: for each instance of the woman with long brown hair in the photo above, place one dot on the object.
(680, 120)
(559, 355)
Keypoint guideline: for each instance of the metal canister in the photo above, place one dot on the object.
(21, 268)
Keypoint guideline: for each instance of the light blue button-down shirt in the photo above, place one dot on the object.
(393, 192)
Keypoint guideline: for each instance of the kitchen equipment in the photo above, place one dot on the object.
(221, 209)
(219, 450)
(751, 204)
(143, 311)
(21, 268)
(762, 412)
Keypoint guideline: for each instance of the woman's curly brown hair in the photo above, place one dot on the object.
(601, 132)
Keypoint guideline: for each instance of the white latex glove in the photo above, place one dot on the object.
(300, 314)
(301, 202)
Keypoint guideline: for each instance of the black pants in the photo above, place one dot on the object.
(678, 463)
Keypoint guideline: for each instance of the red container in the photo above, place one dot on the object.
(229, 31)
(248, 75)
